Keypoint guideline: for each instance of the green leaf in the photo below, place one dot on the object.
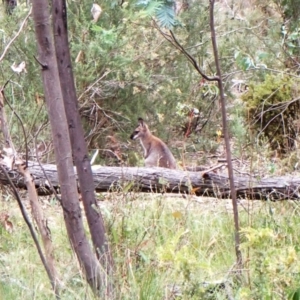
(166, 16)
(295, 295)
(162, 10)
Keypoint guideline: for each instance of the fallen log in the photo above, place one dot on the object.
(160, 180)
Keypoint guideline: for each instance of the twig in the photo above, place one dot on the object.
(44, 66)
(172, 39)
(226, 136)
(21, 123)
(192, 60)
(17, 34)
(42, 168)
(6, 135)
(84, 92)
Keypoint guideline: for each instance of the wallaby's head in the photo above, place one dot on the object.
(141, 131)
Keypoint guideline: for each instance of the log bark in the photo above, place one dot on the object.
(160, 180)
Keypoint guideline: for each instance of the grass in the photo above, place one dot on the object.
(165, 247)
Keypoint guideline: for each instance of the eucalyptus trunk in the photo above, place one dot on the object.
(79, 147)
(62, 145)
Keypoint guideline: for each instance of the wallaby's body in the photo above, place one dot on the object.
(156, 152)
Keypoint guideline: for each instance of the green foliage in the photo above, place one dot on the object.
(130, 66)
(162, 10)
(290, 11)
(24, 92)
(150, 7)
(143, 75)
(245, 62)
(290, 31)
(272, 110)
(276, 268)
(166, 15)
(295, 295)
(124, 69)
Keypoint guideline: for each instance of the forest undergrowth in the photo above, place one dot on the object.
(165, 247)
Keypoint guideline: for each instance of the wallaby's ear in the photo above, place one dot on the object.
(141, 121)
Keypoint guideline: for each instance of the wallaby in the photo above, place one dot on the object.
(156, 152)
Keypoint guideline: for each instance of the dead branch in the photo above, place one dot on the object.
(160, 180)
(9, 161)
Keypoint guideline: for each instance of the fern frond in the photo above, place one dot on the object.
(166, 15)
(150, 7)
(162, 10)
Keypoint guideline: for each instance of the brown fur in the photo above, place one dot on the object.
(156, 152)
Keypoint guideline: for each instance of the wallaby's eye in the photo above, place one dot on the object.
(136, 132)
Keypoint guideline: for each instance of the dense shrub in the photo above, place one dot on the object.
(273, 110)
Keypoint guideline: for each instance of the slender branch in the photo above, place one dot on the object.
(48, 262)
(31, 229)
(284, 106)
(4, 128)
(91, 86)
(172, 39)
(22, 126)
(192, 60)
(45, 174)
(44, 66)
(17, 34)
(226, 135)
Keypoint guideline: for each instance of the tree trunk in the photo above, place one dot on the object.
(79, 148)
(61, 141)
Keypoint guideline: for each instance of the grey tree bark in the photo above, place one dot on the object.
(62, 146)
(158, 180)
(79, 148)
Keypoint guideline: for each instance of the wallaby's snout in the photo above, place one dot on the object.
(134, 135)
(139, 130)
